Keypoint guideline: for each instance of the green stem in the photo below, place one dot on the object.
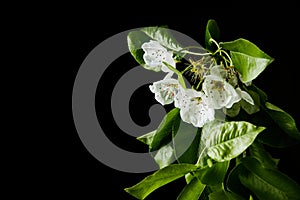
(223, 51)
(180, 77)
(215, 42)
(186, 69)
(198, 54)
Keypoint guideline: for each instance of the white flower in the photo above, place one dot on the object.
(244, 95)
(219, 92)
(155, 55)
(193, 107)
(246, 102)
(164, 90)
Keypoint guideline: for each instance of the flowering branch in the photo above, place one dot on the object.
(216, 133)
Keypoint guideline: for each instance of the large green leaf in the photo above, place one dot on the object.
(163, 36)
(247, 58)
(233, 183)
(224, 195)
(257, 150)
(192, 190)
(186, 139)
(214, 174)
(273, 135)
(212, 32)
(163, 133)
(158, 179)
(283, 119)
(204, 144)
(230, 139)
(268, 184)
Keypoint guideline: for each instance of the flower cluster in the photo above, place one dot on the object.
(219, 87)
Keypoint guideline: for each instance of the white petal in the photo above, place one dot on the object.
(195, 111)
(164, 90)
(155, 54)
(244, 95)
(219, 92)
(218, 70)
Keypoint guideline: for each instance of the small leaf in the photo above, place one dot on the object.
(164, 156)
(192, 190)
(212, 32)
(135, 40)
(268, 184)
(158, 179)
(247, 58)
(147, 138)
(230, 139)
(164, 130)
(284, 120)
(263, 96)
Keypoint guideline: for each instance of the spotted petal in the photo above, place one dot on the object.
(219, 92)
(194, 108)
(155, 55)
(164, 90)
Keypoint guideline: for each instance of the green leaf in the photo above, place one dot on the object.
(263, 96)
(283, 119)
(230, 139)
(164, 156)
(204, 144)
(273, 135)
(234, 184)
(247, 58)
(257, 150)
(158, 179)
(135, 40)
(164, 131)
(163, 36)
(186, 139)
(224, 195)
(192, 190)
(204, 195)
(212, 32)
(147, 138)
(214, 174)
(268, 184)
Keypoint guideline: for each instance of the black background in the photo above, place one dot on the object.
(69, 32)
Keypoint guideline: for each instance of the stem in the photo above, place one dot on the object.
(180, 77)
(215, 42)
(186, 69)
(185, 50)
(198, 54)
(198, 161)
(193, 47)
(223, 51)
